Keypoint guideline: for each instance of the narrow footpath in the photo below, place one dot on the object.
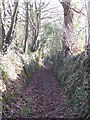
(45, 99)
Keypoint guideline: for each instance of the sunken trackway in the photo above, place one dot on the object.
(46, 98)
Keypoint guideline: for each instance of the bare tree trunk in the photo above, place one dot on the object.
(88, 42)
(7, 38)
(26, 35)
(3, 5)
(35, 26)
(0, 33)
(68, 27)
(0, 64)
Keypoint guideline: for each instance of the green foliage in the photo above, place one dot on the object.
(50, 38)
(75, 4)
(19, 24)
(26, 111)
(29, 49)
(2, 99)
(72, 78)
(38, 53)
(5, 75)
(25, 99)
(68, 102)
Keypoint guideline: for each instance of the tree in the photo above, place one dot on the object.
(68, 27)
(26, 34)
(7, 37)
(35, 20)
(0, 33)
(88, 42)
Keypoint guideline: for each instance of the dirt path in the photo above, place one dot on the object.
(45, 98)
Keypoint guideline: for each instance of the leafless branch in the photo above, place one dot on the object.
(75, 10)
(46, 17)
(81, 30)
